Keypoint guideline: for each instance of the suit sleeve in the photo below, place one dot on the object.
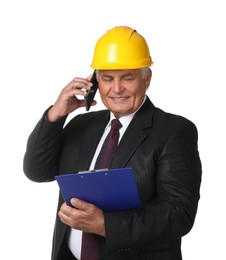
(41, 159)
(171, 214)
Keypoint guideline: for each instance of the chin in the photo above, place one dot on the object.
(121, 113)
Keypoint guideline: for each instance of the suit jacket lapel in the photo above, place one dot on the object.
(134, 134)
(131, 139)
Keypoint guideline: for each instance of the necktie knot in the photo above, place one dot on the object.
(115, 124)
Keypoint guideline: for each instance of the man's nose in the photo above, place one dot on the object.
(117, 86)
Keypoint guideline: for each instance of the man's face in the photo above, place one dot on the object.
(123, 91)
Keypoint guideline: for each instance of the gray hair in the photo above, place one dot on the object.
(144, 72)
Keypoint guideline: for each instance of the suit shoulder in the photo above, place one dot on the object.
(86, 118)
(173, 121)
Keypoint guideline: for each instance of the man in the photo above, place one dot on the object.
(160, 147)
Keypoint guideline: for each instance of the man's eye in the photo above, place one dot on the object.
(106, 79)
(128, 78)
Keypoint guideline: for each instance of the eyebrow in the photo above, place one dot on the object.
(123, 75)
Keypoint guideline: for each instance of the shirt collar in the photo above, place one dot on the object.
(125, 119)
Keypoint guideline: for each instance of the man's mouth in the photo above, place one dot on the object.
(119, 98)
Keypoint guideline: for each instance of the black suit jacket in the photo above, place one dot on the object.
(162, 150)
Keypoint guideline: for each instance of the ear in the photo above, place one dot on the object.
(148, 78)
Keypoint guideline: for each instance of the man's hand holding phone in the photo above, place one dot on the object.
(68, 100)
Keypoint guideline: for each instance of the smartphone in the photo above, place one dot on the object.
(91, 93)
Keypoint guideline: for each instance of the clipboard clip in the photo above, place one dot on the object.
(97, 170)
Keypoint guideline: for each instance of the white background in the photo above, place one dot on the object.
(44, 44)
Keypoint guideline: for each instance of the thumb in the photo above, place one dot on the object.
(79, 204)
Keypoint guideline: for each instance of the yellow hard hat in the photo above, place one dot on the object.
(121, 48)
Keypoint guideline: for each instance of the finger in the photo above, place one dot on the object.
(64, 215)
(77, 92)
(81, 83)
(73, 89)
(80, 204)
(71, 93)
(65, 209)
(89, 78)
(81, 103)
(78, 88)
(94, 103)
(72, 217)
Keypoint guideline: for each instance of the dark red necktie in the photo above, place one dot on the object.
(109, 146)
(90, 247)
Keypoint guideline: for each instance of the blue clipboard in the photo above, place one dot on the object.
(109, 190)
